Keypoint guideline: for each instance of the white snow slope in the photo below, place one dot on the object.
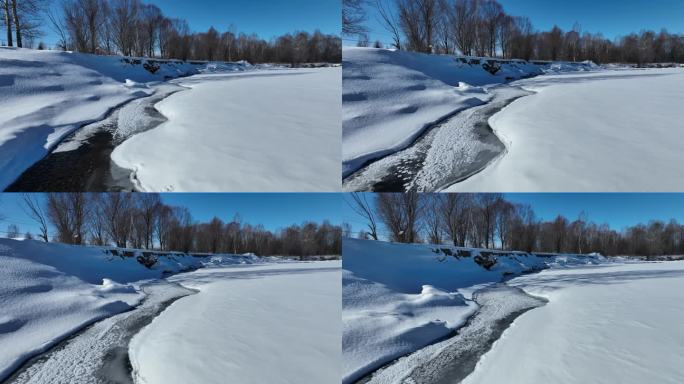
(389, 97)
(398, 298)
(48, 291)
(599, 131)
(275, 323)
(602, 324)
(262, 131)
(45, 95)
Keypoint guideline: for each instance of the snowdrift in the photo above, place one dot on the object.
(268, 323)
(49, 291)
(553, 67)
(389, 97)
(398, 298)
(267, 126)
(45, 95)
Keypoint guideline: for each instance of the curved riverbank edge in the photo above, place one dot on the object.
(99, 352)
(447, 152)
(451, 360)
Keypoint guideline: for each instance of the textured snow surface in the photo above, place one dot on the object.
(603, 324)
(45, 95)
(596, 131)
(48, 291)
(450, 360)
(97, 354)
(276, 130)
(389, 97)
(277, 323)
(398, 298)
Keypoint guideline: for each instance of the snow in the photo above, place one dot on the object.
(48, 291)
(398, 298)
(276, 323)
(389, 97)
(98, 353)
(45, 95)
(253, 131)
(435, 363)
(602, 324)
(593, 131)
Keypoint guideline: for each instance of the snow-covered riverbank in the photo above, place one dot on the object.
(389, 97)
(602, 324)
(600, 131)
(399, 298)
(249, 311)
(99, 354)
(272, 323)
(257, 131)
(45, 95)
(264, 124)
(582, 128)
(49, 291)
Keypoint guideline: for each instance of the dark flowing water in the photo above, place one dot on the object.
(402, 171)
(89, 167)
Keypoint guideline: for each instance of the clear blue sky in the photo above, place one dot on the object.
(273, 210)
(619, 210)
(610, 17)
(266, 18)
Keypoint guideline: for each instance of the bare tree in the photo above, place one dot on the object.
(35, 211)
(148, 207)
(17, 23)
(12, 231)
(124, 20)
(432, 217)
(8, 20)
(401, 213)
(162, 226)
(57, 24)
(353, 16)
(117, 209)
(97, 220)
(455, 210)
(362, 207)
(389, 21)
(67, 213)
(464, 19)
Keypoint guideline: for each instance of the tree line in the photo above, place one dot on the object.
(143, 221)
(134, 28)
(488, 220)
(483, 28)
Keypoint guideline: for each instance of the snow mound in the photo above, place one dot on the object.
(221, 260)
(134, 84)
(45, 95)
(111, 286)
(239, 66)
(389, 97)
(566, 66)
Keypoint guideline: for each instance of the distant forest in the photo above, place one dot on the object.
(483, 28)
(143, 221)
(488, 220)
(134, 28)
